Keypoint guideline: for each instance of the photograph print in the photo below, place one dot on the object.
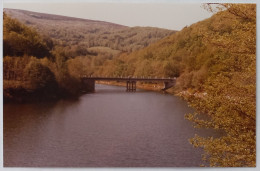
(129, 84)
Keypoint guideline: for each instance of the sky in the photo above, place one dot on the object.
(173, 16)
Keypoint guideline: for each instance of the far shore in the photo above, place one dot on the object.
(144, 86)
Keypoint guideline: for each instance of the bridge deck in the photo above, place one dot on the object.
(128, 79)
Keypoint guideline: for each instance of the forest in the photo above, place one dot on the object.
(36, 45)
(214, 61)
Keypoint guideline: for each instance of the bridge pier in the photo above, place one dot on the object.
(168, 85)
(131, 86)
(88, 85)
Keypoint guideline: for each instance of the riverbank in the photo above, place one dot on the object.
(23, 92)
(184, 94)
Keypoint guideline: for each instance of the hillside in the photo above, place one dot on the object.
(69, 31)
(87, 43)
(189, 54)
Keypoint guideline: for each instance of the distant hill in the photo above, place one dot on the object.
(70, 31)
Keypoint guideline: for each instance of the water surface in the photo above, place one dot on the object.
(109, 128)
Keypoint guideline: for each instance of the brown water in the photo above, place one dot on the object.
(109, 128)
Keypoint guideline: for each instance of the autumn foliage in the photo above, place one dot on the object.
(230, 99)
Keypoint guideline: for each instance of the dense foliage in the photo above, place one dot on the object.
(231, 90)
(85, 45)
(19, 40)
(32, 66)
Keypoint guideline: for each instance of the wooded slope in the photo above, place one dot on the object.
(70, 31)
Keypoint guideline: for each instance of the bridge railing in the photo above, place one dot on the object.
(128, 77)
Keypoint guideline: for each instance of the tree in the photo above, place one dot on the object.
(19, 40)
(40, 76)
(230, 90)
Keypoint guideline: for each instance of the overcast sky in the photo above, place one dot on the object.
(172, 16)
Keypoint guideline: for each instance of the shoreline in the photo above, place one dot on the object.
(24, 96)
(144, 86)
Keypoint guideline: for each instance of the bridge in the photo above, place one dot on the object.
(89, 82)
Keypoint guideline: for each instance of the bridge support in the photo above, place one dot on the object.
(88, 85)
(131, 86)
(168, 85)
